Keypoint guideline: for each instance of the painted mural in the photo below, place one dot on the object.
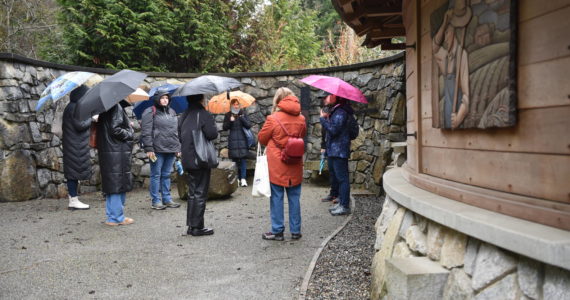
(473, 69)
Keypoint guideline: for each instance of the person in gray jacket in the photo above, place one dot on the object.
(160, 141)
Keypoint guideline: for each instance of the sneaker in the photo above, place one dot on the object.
(243, 182)
(340, 211)
(334, 207)
(172, 204)
(273, 236)
(296, 236)
(158, 206)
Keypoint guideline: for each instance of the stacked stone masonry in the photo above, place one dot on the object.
(30, 142)
(477, 270)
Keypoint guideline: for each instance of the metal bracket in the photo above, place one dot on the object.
(415, 135)
(411, 46)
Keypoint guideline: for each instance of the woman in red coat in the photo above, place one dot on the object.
(283, 177)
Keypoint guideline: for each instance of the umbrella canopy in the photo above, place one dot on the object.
(179, 104)
(207, 84)
(63, 85)
(221, 104)
(107, 93)
(335, 86)
(137, 96)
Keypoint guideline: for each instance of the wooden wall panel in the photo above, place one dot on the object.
(529, 9)
(534, 175)
(545, 130)
(544, 84)
(411, 109)
(426, 13)
(411, 84)
(545, 37)
(411, 154)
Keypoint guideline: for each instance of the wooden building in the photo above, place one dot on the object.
(515, 177)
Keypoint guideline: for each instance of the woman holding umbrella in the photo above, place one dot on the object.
(115, 137)
(235, 121)
(75, 141)
(160, 141)
(196, 117)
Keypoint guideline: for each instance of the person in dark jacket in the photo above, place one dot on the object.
(198, 177)
(235, 121)
(114, 145)
(338, 149)
(76, 159)
(159, 136)
(333, 193)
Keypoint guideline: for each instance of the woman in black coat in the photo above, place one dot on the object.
(235, 121)
(76, 159)
(198, 177)
(114, 146)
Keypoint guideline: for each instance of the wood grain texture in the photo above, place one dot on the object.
(534, 175)
(544, 84)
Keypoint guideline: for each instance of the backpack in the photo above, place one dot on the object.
(353, 128)
(292, 152)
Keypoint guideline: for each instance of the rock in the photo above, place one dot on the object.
(44, 177)
(349, 76)
(530, 277)
(406, 223)
(363, 79)
(435, 237)
(416, 240)
(491, 264)
(223, 180)
(359, 178)
(18, 181)
(362, 165)
(7, 71)
(402, 250)
(458, 286)
(453, 249)
(377, 289)
(224, 153)
(49, 158)
(378, 170)
(505, 289)
(35, 132)
(12, 134)
(389, 208)
(414, 278)
(265, 82)
(398, 111)
(145, 170)
(556, 283)
(470, 255)
(61, 190)
(421, 222)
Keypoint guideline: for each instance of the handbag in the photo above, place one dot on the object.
(249, 137)
(93, 135)
(261, 185)
(206, 154)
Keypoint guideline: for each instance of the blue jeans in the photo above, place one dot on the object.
(241, 165)
(115, 203)
(340, 171)
(277, 211)
(160, 178)
(332, 179)
(72, 187)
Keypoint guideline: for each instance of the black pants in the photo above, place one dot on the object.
(198, 184)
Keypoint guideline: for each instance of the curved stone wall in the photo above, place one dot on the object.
(30, 142)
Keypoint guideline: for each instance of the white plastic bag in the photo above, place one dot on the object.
(261, 185)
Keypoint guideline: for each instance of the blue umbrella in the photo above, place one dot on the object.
(62, 86)
(179, 104)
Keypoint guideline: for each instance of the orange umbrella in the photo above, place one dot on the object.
(220, 104)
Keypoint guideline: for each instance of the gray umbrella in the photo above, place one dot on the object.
(107, 93)
(207, 84)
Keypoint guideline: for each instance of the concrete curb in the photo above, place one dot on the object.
(307, 278)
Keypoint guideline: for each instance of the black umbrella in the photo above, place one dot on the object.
(107, 93)
(207, 84)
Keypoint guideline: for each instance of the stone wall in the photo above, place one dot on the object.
(472, 269)
(30, 142)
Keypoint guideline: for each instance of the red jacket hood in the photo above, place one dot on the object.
(290, 105)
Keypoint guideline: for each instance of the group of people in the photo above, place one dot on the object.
(166, 137)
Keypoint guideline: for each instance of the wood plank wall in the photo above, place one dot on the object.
(532, 159)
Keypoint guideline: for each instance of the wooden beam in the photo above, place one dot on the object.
(384, 33)
(367, 10)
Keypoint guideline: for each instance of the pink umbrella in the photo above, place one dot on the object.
(335, 86)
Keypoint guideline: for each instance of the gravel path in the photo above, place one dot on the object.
(343, 268)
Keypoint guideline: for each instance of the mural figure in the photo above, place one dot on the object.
(473, 75)
(452, 61)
